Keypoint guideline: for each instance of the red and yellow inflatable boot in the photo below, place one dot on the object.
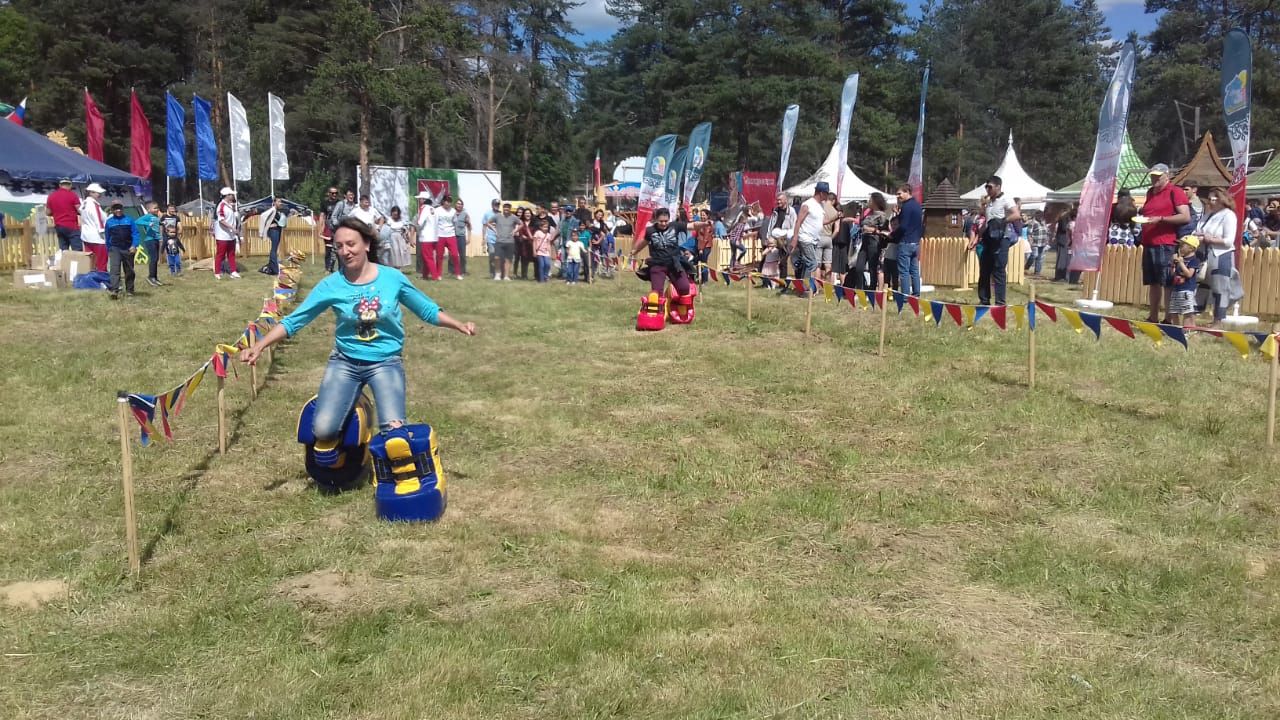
(652, 315)
(680, 307)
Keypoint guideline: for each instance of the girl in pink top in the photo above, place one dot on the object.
(542, 251)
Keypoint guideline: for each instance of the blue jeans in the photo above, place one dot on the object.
(343, 380)
(1036, 258)
(542, 270)
(69, 239)
(175, 263)
(571, 271)
(909, 268)
(273, 260)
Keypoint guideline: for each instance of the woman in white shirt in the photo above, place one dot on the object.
(446, 238)
(427, 238)
(93, 225)
(394, 236)
(1217, 232)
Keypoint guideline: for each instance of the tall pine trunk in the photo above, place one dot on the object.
(493, 120)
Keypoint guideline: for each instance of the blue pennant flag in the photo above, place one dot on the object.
(1093, 322)
(935, 307)
(900, 298)
(840, 293)
(1175, 333)
(1031, 315)
(980, 312)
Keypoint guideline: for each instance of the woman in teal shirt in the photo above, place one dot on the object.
(365, 298)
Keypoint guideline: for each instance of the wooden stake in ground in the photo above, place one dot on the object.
(1275, 379)
(1031, 338)
(126, 467)
(253, 369)
(808, 312)
(222, 416)
(750, 282)
(884, 317)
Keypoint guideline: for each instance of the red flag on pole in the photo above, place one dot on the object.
(139, 139)
(93, 127)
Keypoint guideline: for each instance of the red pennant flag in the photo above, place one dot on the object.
(94, 127)
(1050, 311)
(954, 312)
(852, 296)
(139, 139)
(1121, 325)
(999, 316)
(914, 302)
(799, 285)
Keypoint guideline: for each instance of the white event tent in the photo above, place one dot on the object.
(1016, 182)
(853, 188)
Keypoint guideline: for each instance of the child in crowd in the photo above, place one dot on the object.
(173, 250)
(771, 268)
(889, 261)
(542, 250)
(1182, 303)
(573, 250)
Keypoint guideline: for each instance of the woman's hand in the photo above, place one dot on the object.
(249, 355)
(467, 328)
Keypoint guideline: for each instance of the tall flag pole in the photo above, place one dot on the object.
(139, 139)
(94, 127)
(653, 183)
(696, 161)
(175, 145)
(789, 120)
(916, 178)
(1237, 82)
(241, 166)
(206, 145)
(279, 159)
(1089, 237)
(848, 97)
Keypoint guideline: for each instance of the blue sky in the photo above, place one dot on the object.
(1123, 15)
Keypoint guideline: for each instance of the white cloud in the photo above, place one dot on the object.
(592, 19)
(1118, 5)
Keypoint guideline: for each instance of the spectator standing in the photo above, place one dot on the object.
(462, 231)
(1038, 237)
(542, 250)
(524, 243)
(394, 236)
(271, 225)
(340, 211)
(875, 234)
(1216, 232)
(93, 226)
(226, 233)
(1121, 230)
(1269, 234)
(826, 241)
(910, 232)
(327, 225)
(64, 206)
(778, 229)
(808, 231)
(1183, 272)
(1166, 210)
(573, 250)
(491, 235)
(122, 242)
(994, 241)
(505, 227)
(427, 237)
(447, 238)
(147, 229)
(171, 233)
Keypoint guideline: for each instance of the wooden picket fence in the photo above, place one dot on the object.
(1122, 279)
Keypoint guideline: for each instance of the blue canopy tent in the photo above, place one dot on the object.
(31, 165)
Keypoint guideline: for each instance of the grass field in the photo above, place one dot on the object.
(727, 520)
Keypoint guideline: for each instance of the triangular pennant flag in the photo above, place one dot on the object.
(798, 284)
(980, 312)
(143, 408)
(1031, 316)
(162, 403)
(871, 298)
(1093, 322)
(1239, 342)
(1073, 319)
(1122, 326)
(219, 361)
(899, 299)
(1050, 311)
(914, 302)
(999, 315)
(1020, 316)
(828, 292)
(839, 290)
(970, 313)
(715, 276)
(1268, 347)
(954, 311)
(1151, 330)
(813, 285)
(935, 308)
(1178, 334)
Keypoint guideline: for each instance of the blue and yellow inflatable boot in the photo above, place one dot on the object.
(411, 485)
(345, 465)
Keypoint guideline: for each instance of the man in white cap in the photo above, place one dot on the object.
(93, 225)
(226, 232)
(427, 236)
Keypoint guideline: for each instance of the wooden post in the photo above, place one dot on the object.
(222, 416)
(808, 311)
(750, 282)
(1275, 378)
(884, 317)
(1031, 338)
(253, 369)
(126, 467)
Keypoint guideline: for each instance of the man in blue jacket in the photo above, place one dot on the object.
(121, 244)
(910, 232)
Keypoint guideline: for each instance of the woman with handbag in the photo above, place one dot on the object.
(1217, 233)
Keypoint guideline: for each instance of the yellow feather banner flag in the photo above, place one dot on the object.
(1019, 316)
(1151, 330)
(1073, 318)
(1239, 341)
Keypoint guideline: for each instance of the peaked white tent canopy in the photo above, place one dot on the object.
(853, 188)
(1017, 183)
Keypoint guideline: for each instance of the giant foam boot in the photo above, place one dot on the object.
(341, 465)
(652, 315)
(411, 485)
(680, 307)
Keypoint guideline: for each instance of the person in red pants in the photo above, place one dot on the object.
(446, 238)
(226, 233)
(427, 238)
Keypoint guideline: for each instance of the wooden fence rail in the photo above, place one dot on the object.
(1122, 279)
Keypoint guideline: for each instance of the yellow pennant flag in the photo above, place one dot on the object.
(1269, 347)
(228, 349)
(828, 292)
(968, 311)
(1239, 341)
(1151, 330)
(1073, 318)
(1019, 316)
(194, 382)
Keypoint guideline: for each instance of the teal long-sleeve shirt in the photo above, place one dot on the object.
(146, 229)
(370, 325)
